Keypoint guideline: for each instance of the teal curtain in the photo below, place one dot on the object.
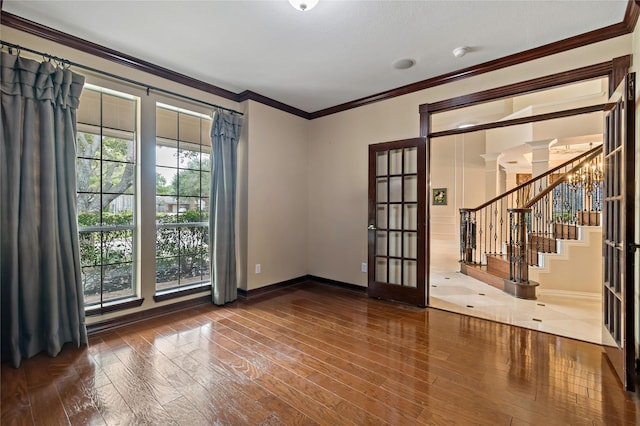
(42, 298)
(225, 133)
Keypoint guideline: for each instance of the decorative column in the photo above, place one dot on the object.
(540, 157)
(492, 174)
(502, 180)
(511, 181)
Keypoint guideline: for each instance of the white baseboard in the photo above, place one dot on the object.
(571, 294)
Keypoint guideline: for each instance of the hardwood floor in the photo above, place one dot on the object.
(316, 354)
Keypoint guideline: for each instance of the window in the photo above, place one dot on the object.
(182, 197)
(106, 194)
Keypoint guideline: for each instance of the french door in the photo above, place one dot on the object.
(618, 230)
(397, 221)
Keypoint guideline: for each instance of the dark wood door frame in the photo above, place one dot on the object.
(380, 285)
(618, 213)
(615, 70)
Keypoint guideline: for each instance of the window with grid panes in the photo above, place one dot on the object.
(106, 193)
(183, 165)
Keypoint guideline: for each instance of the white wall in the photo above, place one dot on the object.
(502, 138)
(459, 168)
(337, 175)
(277, 196)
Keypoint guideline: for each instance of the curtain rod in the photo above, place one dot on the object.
(67, 62)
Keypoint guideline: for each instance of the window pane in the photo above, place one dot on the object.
(89, 110)
(118, 113)
(189, 128)
(91, 281)
(395, 161)
(88, 146)
(189, 183)
(88, 175)
(194, 269)
(117, 178)
(189, 156)
(166, 123)
(191, 240)
(166, 156)
(189, 210)
(170, 215)
(118, 149)
(381, 163)
(106, 197)
(182, 197)
(90, 248)
(117, 281)
(117, 246)
(204, 211)
(166, 181)
(118, 209)
(167, 242)
(205, 181)
(167, 272)
(206, 157)
(89, 206)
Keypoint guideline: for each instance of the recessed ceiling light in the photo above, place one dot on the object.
(466, 125)
(459, 52)
(304, 5)
(403, 64)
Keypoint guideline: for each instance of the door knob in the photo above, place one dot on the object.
(371, 228)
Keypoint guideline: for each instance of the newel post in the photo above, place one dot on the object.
(518, 283)
(467, 235)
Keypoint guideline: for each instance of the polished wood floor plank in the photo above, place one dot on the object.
(313, 354)
(112, 407)
(308, 406)
(14, 397)
(330, 363)
(389, 364)
(284, 413)
(78, 404)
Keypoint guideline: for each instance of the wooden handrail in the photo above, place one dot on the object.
(593, 154)
(537, 178)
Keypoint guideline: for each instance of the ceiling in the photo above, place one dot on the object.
(336, 53)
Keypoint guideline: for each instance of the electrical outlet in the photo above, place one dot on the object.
(363, 267)
(258, 268)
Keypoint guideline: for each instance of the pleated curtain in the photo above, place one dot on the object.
(42, 298)
(225, 133)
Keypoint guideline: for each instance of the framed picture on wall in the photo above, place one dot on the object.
(439, 196)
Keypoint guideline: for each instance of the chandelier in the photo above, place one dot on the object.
(588, 177)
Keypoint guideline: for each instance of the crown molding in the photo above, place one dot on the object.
(622, 28)
(625, 27)
(112, 55)
(253, 96)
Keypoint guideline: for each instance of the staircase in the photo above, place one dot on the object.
(573, 263)
(538, 232)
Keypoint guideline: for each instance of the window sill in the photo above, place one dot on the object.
(182, 291)
(117, 305)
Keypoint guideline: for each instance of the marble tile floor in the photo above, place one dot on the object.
(575, 317)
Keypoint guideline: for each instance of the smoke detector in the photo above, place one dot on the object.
(459, 52)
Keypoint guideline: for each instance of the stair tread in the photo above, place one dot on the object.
(500, 256)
